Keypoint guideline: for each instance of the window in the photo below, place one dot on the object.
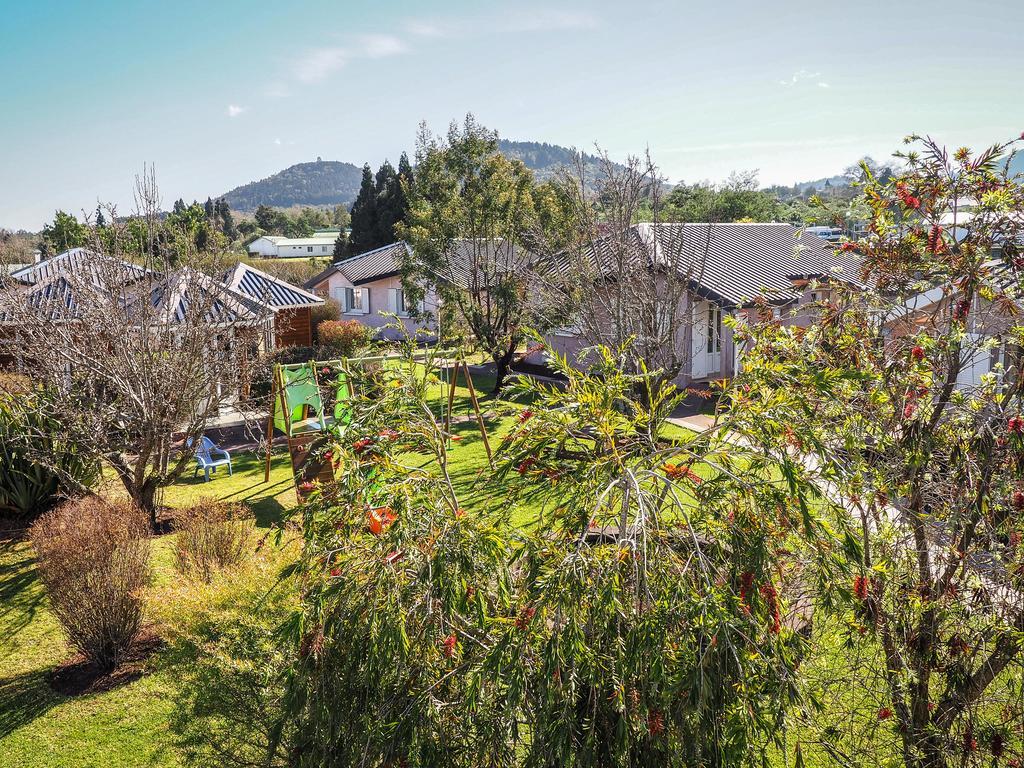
(400, 302)
(309, 248)
(814, 296)
(356, 301)
(714, 329)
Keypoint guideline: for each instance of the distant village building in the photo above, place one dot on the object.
(368, 288)
(320, 243)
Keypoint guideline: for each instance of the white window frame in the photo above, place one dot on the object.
(356, 300)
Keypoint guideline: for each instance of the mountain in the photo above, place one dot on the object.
(330, 182)
(325, 182)
(545, 160)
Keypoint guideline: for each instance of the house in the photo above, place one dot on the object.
(280, 311)
(319, 244)
(369, 284)
(292, 306)
(729, 269)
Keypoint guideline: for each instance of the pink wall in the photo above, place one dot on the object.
(378, 291)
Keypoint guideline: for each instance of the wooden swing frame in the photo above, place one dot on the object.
(296, 443)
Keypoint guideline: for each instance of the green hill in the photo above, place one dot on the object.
(331, 182)
(324, 182)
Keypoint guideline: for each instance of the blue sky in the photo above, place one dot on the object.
(218, 94)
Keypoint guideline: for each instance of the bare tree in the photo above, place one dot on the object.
(134, 358)
(623, 284)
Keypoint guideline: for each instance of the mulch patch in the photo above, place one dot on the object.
(78, 677)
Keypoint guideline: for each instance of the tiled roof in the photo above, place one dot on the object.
(366, 267)
(267, 289)
(74, 261)
(177, 293)
(733, 263)
(386, 262)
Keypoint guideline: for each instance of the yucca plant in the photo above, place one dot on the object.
(37, 467)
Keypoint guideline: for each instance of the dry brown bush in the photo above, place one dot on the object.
(211, 535)
(93, 558)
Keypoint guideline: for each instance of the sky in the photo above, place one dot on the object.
(216, 94)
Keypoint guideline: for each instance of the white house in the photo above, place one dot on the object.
(368, 287)
(320, 244)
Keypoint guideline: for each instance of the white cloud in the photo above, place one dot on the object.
(380, 46)
(800, 76)
(318, 63)
(278, 142)
(822, 84)
(419, 28)
(550, 19)
(234, 110)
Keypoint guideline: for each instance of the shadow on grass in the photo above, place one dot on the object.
(23, 698)
(21, 594)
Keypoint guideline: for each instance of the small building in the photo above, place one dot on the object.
(319, 244)
(368, 288)
(292, 306)
(730, 269)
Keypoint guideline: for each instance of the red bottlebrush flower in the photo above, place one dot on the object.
(460, 512)
(524, 466)
(655, 723)
(681, 471)
(931, 706)
(335, 572)
(393, 557)
(525, 617)
(903, 193)
(362, 444)
(1001, 441)
(908, 410)
(448, 646)
(771, 597)
(935, 242)
(884, 713)
(1015, 539)
(306, 486)
(1018, 499)
(525, 416)
(329, 456)
(860, 588)
(380, 519)
(848, 246)
(1015, 424)
(917, 353)
(961, 309)
(997, 745)
(389, 434)
(746, 582)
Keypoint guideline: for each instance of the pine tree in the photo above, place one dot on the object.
(364, 215)
(209, 209)
(227, 221)
(101, 220)
(388, 203)
(341, 245)
(179, 206)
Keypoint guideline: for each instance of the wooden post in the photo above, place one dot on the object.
(270, 424)
(451, 401)
(479, 416)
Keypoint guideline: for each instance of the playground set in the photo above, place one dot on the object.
(299, 410)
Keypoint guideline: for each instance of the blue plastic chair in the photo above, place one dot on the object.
(205, 457)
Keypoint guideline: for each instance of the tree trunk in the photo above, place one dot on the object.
(502, 364)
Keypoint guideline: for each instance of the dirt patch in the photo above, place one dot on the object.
(78, 677)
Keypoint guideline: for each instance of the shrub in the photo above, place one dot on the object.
(343, 337)
(93, 557)
(211, 535)
(36, 465)
(330, 310)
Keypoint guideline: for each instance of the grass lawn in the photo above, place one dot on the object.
(131, 725)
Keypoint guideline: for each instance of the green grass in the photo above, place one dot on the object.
(131, 726)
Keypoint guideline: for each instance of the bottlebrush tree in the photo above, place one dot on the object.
(647, 617)
(656, 602)
(904, 398)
